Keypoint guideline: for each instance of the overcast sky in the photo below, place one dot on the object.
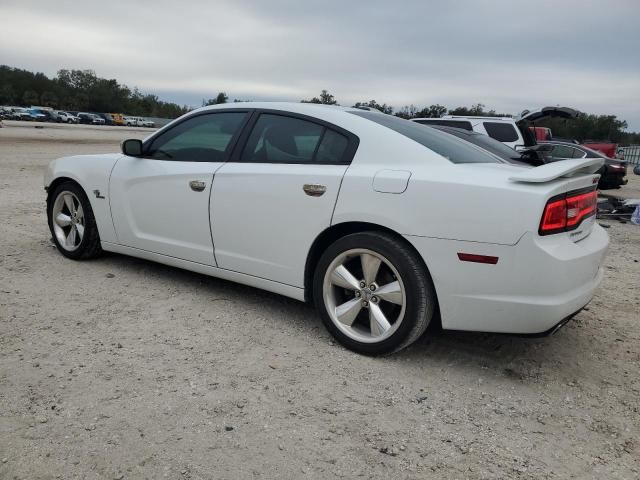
(509, 55)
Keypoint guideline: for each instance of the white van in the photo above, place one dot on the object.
(512, 131)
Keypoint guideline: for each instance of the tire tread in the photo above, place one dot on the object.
(423, 291)
(91, 247)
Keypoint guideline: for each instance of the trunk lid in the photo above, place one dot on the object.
(575, 175)
(528, 190)
(544, 112)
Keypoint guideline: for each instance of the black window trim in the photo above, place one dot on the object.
(230, 147)
(352, 140)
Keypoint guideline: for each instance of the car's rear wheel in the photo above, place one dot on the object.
(72, 223)
(373, 293)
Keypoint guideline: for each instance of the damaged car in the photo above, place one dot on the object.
(344, 208)
(613, 173)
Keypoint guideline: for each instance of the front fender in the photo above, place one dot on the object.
(92, 173)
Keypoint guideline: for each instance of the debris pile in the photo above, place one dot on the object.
(621, 210)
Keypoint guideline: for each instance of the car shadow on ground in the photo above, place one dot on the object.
(437, 347)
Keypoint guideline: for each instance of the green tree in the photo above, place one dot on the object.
(80, 90)
(407, 112)
(432, 111)
(222, 97)
(325, 98)
(30, 97)
(384, 108)
(588, 127)
(7, 94)
(476, 110)
(49, 99)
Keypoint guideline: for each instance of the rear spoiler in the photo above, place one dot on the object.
(563, 168)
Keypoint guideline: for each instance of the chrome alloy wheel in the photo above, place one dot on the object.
(67, 218)
(364, 295)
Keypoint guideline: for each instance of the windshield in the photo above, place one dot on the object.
(452, 148)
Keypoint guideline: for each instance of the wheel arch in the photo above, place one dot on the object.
(100, 209)
(337, 231)
(58, 181)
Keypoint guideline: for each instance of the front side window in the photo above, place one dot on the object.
(203, 138)
(503, 132)
(282, 139)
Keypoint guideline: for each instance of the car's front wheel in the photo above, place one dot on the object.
(373, 293)
(72, 223)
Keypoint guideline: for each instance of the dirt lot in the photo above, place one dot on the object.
(121, 368)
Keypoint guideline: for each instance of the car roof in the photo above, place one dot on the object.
(472, 117)
(298, 107)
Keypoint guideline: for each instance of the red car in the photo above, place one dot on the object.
(608, 148)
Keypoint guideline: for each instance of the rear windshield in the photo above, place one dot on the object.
(450, 147)
(447, 123)
(483, 141)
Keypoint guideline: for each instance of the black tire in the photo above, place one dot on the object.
(420, 294)
(89, 246)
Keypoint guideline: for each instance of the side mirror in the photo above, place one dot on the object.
(132, 147)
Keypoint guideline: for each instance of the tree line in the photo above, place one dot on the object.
(585, 127)
(80, 90)
(83, 90)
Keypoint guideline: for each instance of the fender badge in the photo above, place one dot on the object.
(97, 194)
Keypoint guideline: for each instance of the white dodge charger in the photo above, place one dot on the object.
(385, 224)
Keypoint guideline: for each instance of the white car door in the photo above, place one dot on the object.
(160, 201)
(275, 196)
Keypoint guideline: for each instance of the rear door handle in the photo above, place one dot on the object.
(197, 185)
(313, 189)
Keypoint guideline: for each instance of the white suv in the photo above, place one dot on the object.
(133, 121)
(512, 131)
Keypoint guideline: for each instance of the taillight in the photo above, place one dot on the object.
(565, 212)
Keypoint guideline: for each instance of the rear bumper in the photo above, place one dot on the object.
(534, 286)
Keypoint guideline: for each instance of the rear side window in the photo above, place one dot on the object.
(282, 139)
(450, 147)
(447, 123)
(503, 132)
(332, 147)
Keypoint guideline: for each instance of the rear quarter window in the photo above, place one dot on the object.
(503, 132)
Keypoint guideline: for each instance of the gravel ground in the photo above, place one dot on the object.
(121, 368)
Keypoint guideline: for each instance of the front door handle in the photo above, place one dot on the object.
(313, 189)
(197, 185)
